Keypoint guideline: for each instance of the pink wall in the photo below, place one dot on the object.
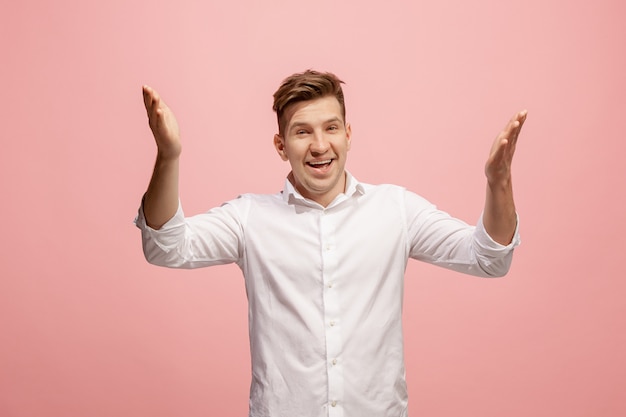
(87, 328)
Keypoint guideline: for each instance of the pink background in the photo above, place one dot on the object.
(88, 328)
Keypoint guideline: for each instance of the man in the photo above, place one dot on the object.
(324, 259)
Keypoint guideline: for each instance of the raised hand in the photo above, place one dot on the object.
(498, 166)
(499, 215)
(163, 125)
(161, 198)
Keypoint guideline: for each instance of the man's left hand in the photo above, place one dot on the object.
(498, 166)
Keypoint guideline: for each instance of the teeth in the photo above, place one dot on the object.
(320, 162)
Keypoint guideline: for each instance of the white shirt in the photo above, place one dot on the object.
(325, 288)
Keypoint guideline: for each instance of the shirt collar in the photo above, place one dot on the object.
(353, 188)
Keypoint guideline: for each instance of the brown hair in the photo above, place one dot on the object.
(303, 86)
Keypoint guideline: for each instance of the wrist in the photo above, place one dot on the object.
(168, 155)
(499, 184)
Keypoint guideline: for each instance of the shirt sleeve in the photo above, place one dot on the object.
(211, 238)
(440, 239)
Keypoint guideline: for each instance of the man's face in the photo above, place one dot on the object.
(315, 141)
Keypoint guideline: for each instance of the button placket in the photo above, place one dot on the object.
(332, 314)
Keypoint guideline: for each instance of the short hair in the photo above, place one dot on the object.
(304, 86)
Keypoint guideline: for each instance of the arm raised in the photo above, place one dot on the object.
(499, 216)
(161, 198)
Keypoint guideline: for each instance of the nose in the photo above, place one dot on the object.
(319, 144)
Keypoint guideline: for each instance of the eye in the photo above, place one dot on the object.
(301, 132)
(333, 127)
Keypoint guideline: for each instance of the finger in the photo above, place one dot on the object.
(517, 126)
(514, 126)
(151, 98)
(520, 118)
(147, 98)
(500, 149)
(504, 137)
(504, 145)
(514, 130)
(512, 135)
(155, 106)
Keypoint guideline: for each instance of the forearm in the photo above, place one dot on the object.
(161, 198)
(499, 216)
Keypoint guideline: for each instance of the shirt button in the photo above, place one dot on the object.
(330, 285)
(334, 362)
(333, 403)
(332, 323)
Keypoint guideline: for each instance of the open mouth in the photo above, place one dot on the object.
(320, 164)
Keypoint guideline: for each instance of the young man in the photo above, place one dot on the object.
(324, 259)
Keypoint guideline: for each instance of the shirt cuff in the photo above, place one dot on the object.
(167, 235)
(491, 246)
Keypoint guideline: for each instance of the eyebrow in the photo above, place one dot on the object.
(301, 124)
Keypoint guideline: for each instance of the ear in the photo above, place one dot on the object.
(279, 144)
(349, 135)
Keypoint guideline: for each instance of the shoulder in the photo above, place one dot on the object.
(255, 198)
(245, 203)
(395, 192)
(381, 188)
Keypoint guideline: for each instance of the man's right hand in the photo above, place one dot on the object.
(163, 125)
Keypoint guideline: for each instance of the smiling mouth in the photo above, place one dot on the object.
(320, 164)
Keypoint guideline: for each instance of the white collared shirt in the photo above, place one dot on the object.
(325, 288)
